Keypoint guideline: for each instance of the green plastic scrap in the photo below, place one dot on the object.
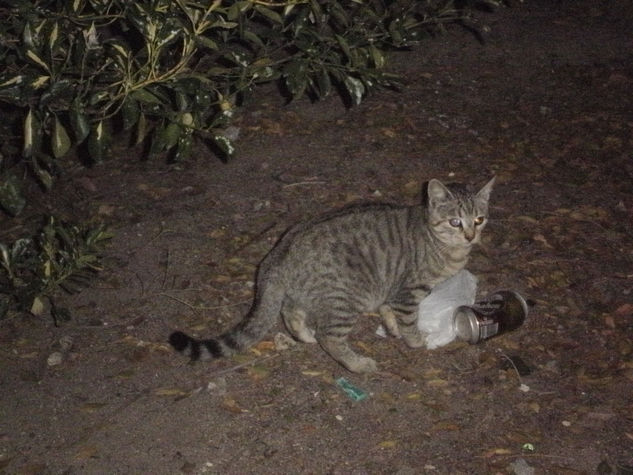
(352, 391)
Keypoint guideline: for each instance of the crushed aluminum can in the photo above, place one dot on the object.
(500, 312)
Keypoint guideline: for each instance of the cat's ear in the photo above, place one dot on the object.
(484, 193)
(437, 192)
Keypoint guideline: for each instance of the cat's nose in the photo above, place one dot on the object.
(469, 236)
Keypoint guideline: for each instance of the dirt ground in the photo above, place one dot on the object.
(545, 104)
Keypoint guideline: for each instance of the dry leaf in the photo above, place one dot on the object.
(432, 372)
(412, 188)
(257, 373)
(497, 451)
(126, 373)
(528, 219)
(86, 452)
(365, 347)
(106, 210)
(217, 233)
(585, 213)
(92, 407)
(231, 405)
(255, 351)
(445, 425)
(387, 444)
(311, 373)
(170, 392)
(408, 374)
(540, 238)
(414, 396)
(265, 345)
(437, 383)
(389, 132)
(624, 310)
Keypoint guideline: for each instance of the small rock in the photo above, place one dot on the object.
(66, 343)
(283, 342)
(217, 387)
(521, 467)
(232, 132)
(552, 366)
(55, 359)
(259, 205)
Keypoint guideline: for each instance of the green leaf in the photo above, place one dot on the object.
(32, 134)
(171, 135)
(54, 36)
(11, 198)
(345, 47)
(45, 178)
(377, 56)
(224, 144)
(27, 37)
(141, 129)
(183, 149)
(60, 314)
(159, 140)
(324, 83)
(20, 248)
(296, 79)
(60, 141)
(144, 95)
(5, 303)
(251, 37)
(270, 14)
(79, 123)
(170, 31)
(355, 88)
(130, 112)
(98, 142)
(206, 42)
(36, 59)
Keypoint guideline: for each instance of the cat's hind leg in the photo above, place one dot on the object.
(333, 339)
(295, 321)
(405, 307)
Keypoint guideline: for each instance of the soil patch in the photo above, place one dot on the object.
(545, 103)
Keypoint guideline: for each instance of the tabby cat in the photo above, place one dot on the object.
(374, 258)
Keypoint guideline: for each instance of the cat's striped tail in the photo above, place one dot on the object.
(201, 349)
(250, 330)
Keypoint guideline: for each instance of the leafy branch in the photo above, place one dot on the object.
(60, 256)
(169, 72)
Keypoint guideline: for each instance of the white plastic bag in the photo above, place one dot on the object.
(435, 313)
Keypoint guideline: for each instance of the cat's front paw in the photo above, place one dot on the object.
(414, 339)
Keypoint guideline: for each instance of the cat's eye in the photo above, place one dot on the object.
(479, 220)
(455, 222)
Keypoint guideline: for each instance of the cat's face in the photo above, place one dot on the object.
(457, 215)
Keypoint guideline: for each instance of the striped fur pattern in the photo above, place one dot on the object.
(375, 258)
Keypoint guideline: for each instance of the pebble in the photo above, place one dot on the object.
(521, 467)
(283, 342)
(55, 359)
(66, 343)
